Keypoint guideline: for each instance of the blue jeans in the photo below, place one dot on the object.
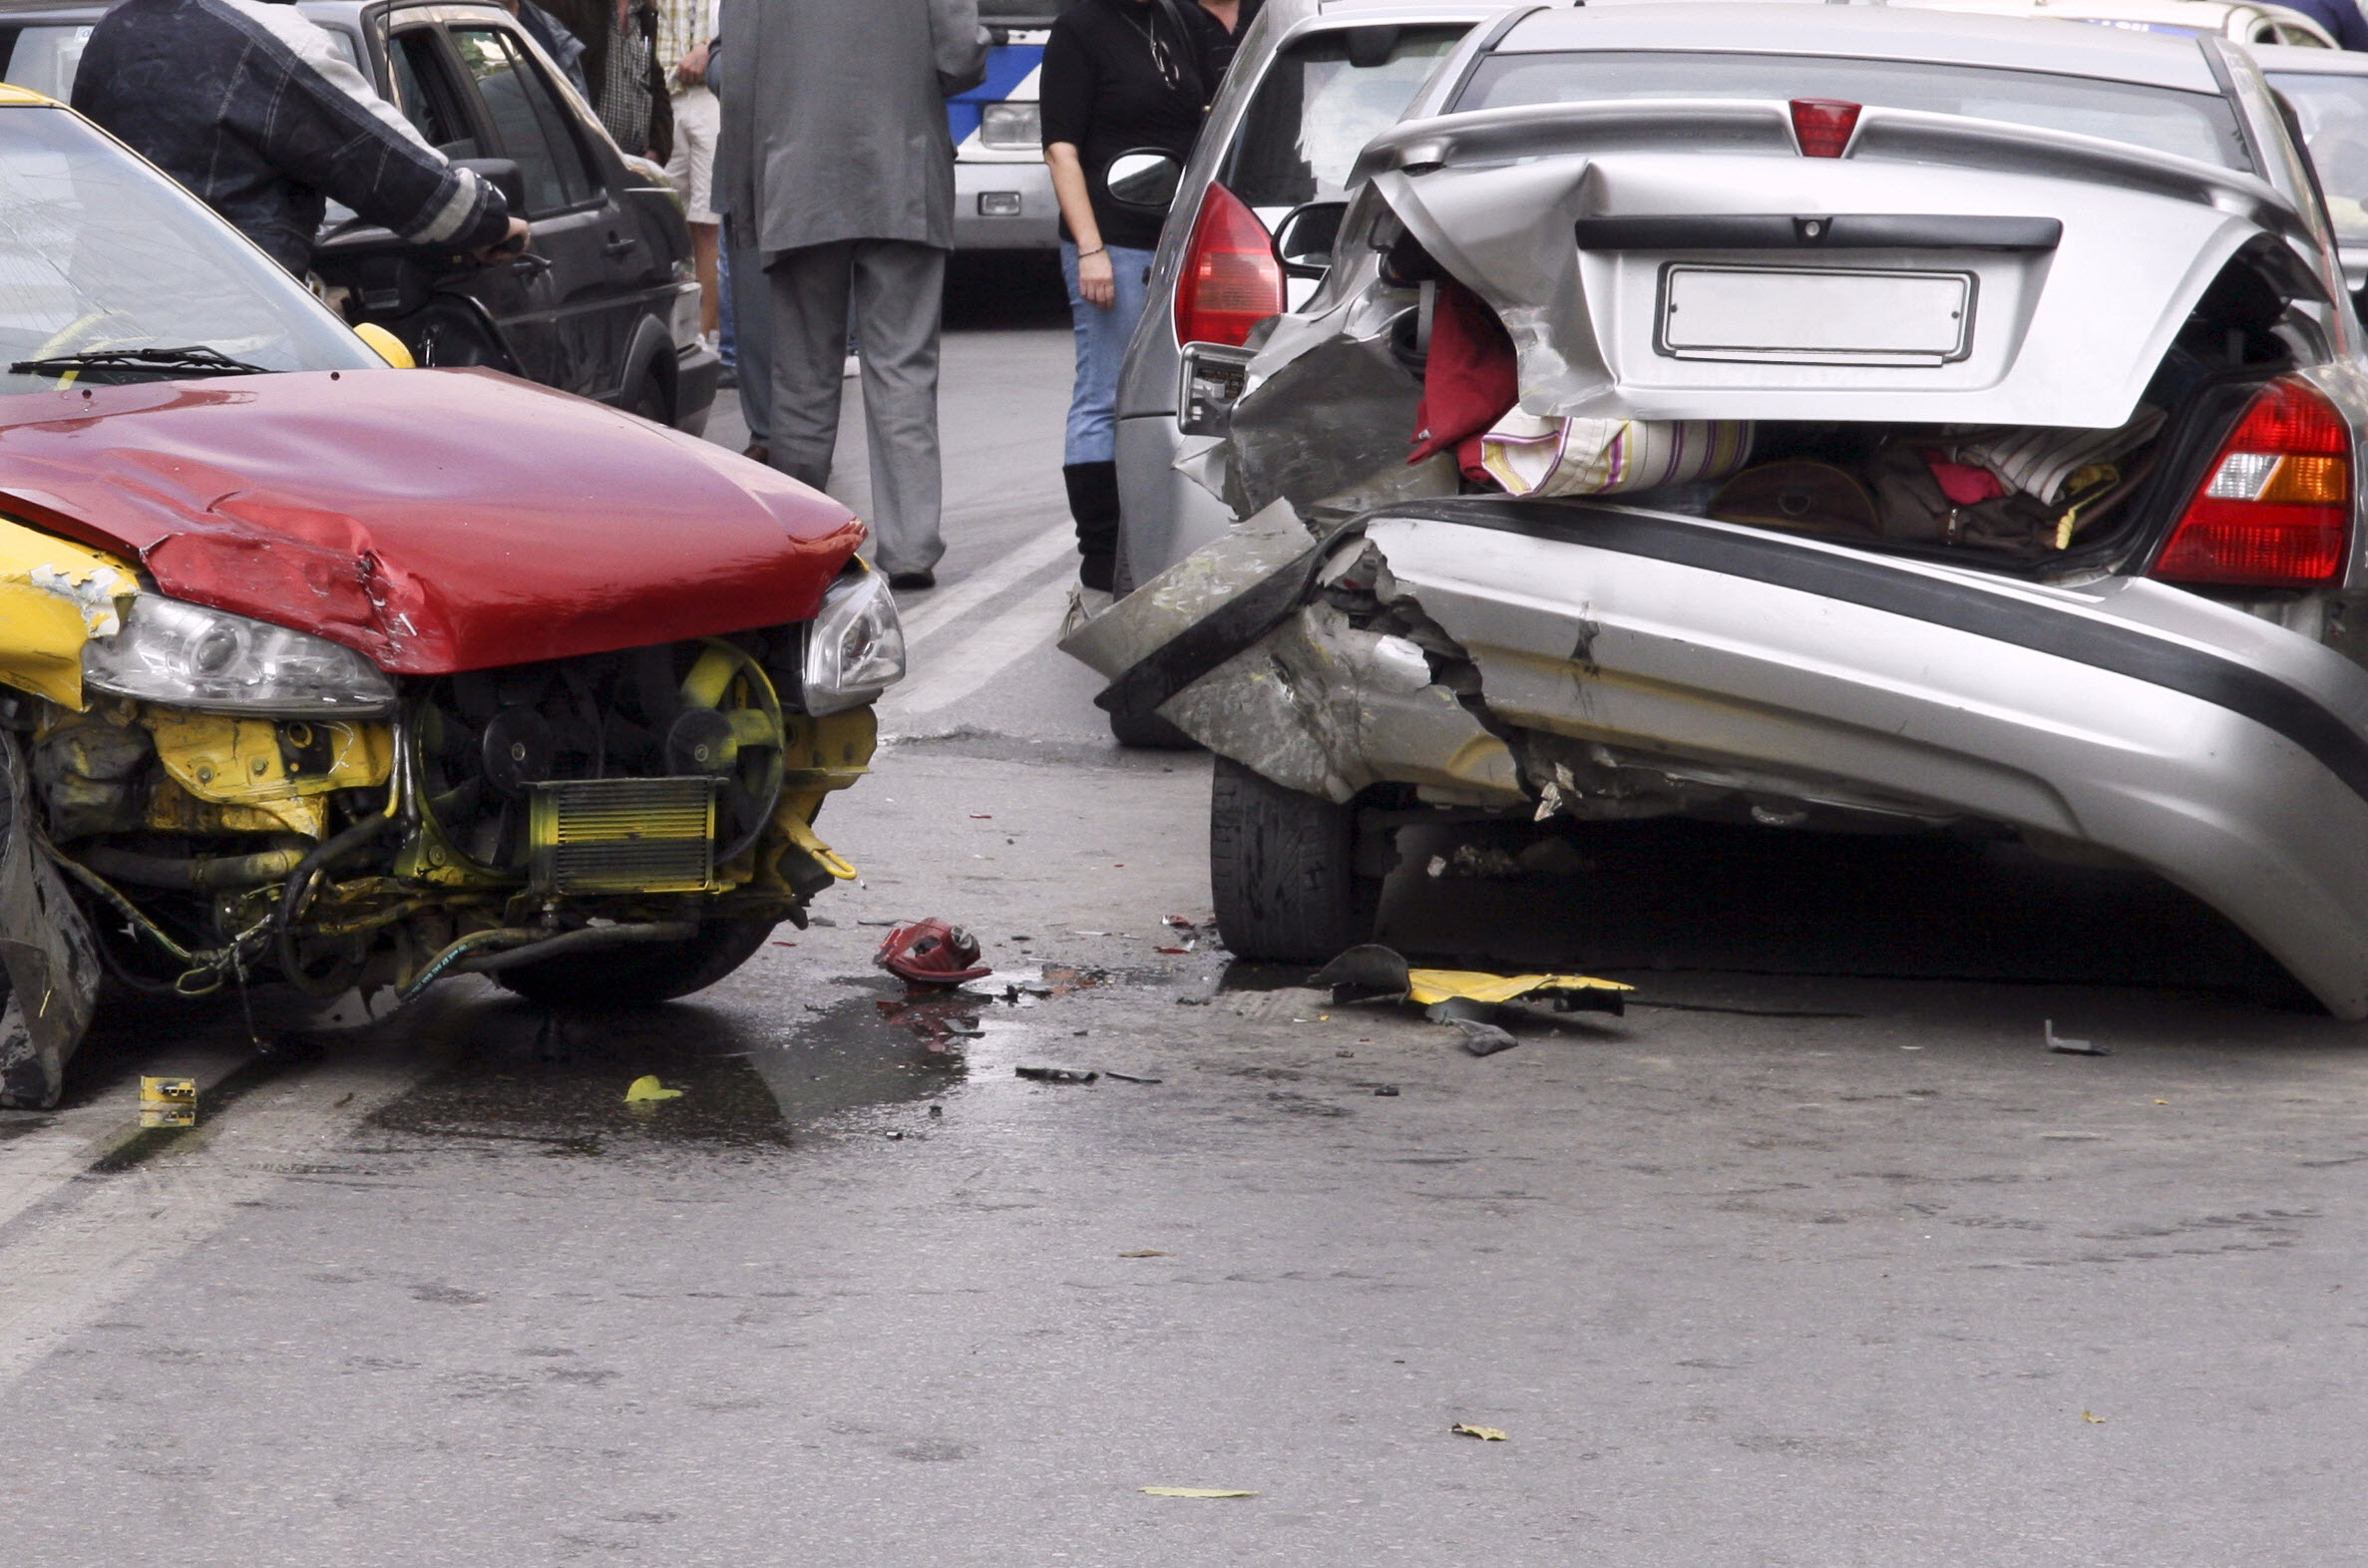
(1101, 345)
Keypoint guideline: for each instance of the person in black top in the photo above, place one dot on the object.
(1118, 76)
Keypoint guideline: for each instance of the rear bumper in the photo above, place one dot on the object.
(696, 372)
(1643, 662)
(1036, 227)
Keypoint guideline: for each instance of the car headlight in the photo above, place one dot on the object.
(188, 656)
(855, 650)
(1012, 126)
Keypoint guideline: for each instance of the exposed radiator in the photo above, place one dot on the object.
(624, 835)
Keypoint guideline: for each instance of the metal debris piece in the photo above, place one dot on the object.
(1056, 1074)
(1126, 1077)
(875, 922)
(1193, 1491)
(1146, 1252)
(168, 1102)
(1388, 1091)
(2064, 1047)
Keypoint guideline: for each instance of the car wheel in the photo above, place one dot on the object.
(1143, 731)
(637, 976)
(1283, 867)
(649, 399)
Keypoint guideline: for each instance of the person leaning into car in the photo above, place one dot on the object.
(258, 112)
(1118, 76)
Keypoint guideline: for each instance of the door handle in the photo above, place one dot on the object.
(617, 247)
(528, 261)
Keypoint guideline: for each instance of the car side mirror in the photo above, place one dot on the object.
(503, 174)
(1304, 241)
(1144, 179)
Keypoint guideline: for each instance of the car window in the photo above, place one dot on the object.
(423, 91)
(2333, 113)
(44, 56)
(100, 251)
(1321, 101)
(2200, 125)
(527, 117)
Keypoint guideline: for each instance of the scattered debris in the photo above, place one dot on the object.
(936, 1016)
(1482, 1039)
(168, 1102)
(1192, 1002)
(1388, 1091)
(647, 1090)
(1147, 1252)
(1374, 972)
(2093, 1420)
(1126, 1077)
(982, 816)
(784, 944)
(1089, 933)
(937, 1110)
(1021, 936)
(1172, 951)
(1473, 860)
(2064, 1047)
(931, 952)
(1484, 1433)
(822, 920)
(875, 922)
(896, 1132)
(1193, 1491)
(1056, 1074)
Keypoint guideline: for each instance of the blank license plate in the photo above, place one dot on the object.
(1823, 316)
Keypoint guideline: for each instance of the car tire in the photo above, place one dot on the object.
(1140, 731)
(637, 977)
(650, 400)
(1283, 868)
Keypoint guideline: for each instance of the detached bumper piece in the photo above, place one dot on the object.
(622, 836)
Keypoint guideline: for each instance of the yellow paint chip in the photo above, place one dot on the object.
(168, 1102)
(2094, 1421)
(1484, 1433)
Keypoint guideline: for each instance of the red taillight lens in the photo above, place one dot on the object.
(1231, 280)
(1822, 126)
(2275, 510)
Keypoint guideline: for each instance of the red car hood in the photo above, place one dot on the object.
(434, 521)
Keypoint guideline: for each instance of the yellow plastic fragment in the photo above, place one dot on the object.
(1437, 986)
(168, 1102)
(1484, 1433)
(1193, 1491)
(646, 1090)
(2094, 1421)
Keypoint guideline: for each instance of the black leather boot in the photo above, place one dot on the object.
(1094, 501)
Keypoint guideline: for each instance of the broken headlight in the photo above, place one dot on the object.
(855, 650)
(188, 656)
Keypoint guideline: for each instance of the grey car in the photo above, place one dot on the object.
(1313, 80)
(1997, 403)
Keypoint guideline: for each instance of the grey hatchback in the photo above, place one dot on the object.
(602, 303)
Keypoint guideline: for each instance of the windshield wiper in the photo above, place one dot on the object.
(193, 359)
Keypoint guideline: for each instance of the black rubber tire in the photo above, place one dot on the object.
(1141, 732)
(649, 399)
(637, 976)
(1283, 868)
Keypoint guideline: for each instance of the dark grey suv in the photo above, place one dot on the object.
(602, 303)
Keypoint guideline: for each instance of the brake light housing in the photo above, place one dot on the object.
(2275, 511)
(1822, 126)
(1229, 281)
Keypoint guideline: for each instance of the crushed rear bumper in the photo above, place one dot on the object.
(1629, 662)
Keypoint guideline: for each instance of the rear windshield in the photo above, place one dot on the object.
(1321, 101)
(2200, 126)
(2333, 113)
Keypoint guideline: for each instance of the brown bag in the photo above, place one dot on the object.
(1813, 497)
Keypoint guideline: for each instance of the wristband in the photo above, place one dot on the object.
(1095, 252)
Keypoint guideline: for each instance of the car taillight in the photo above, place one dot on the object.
(1822, 126)
(2275, 510)
(1231, 280)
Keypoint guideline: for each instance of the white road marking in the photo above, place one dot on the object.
(60, 1268)
(940, 611)
(983, 654)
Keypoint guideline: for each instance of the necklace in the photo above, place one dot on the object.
(1161, 60)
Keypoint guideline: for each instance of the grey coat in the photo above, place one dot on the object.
(834, 117)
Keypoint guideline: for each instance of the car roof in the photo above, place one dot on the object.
(2284, 58)
(1873, 32)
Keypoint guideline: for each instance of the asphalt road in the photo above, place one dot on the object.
(1815, 1256)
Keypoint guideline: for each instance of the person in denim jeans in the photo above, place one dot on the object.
(1118, 76)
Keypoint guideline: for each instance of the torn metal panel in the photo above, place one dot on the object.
(1332, 418)
(1322, 707)
(1273, 543)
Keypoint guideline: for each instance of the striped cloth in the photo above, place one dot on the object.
(2038, 460)
(1534, 454)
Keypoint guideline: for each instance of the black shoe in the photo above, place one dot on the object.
(912, 581)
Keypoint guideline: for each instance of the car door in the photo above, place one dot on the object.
(589, 298)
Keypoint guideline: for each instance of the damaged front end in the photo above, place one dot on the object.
(200, 799)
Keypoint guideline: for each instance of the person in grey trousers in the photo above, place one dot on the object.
(837, 168)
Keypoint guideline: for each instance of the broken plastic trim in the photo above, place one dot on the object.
(1205, 644)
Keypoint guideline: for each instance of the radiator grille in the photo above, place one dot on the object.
(624, 835)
